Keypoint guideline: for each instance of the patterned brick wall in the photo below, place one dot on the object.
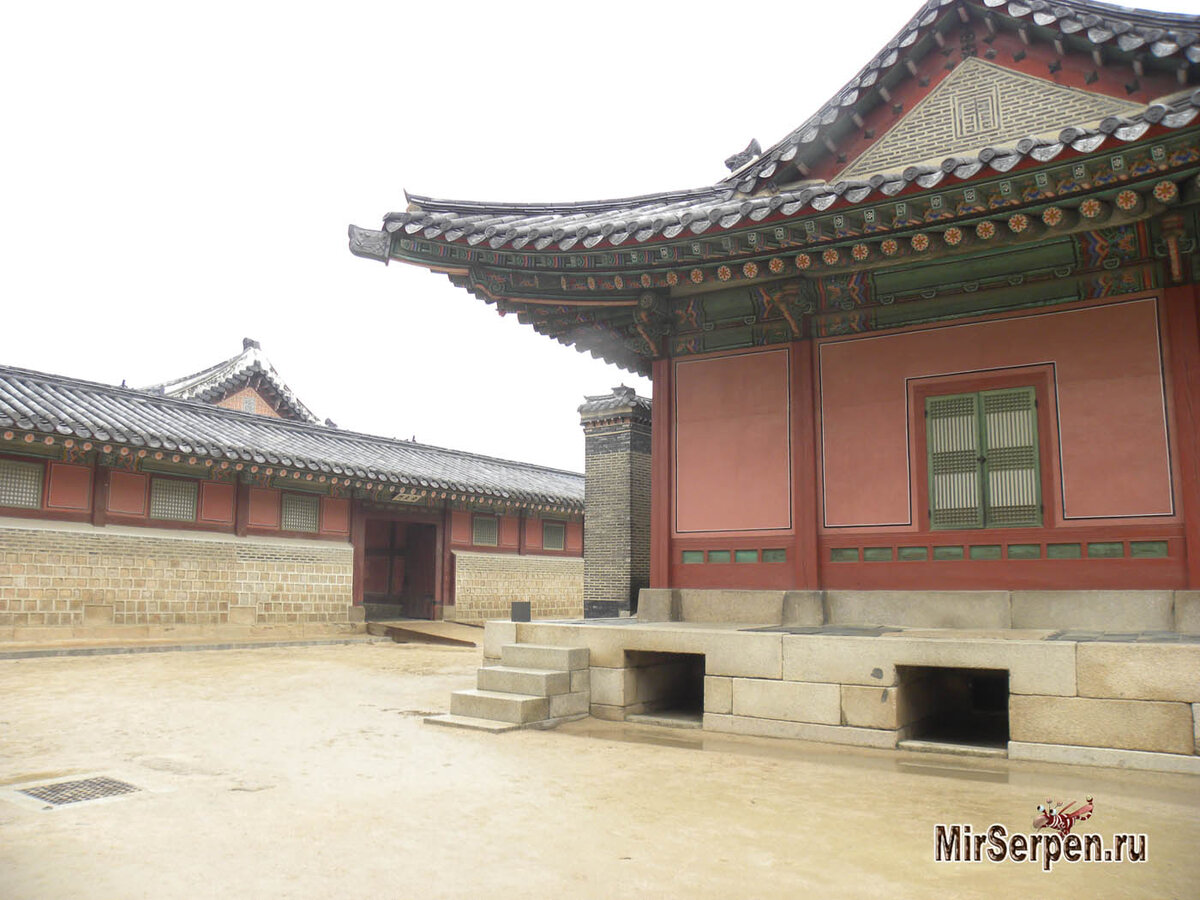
(48, 575)
(486, 584)
(616, 535)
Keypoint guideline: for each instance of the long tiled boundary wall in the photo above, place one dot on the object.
(61, 580)
(486, 584)
(1094, 677)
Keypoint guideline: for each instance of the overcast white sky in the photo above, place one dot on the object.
(180, 176)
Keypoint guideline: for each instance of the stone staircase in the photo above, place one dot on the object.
(534, 686)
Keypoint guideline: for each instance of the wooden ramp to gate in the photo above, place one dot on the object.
(420, 631)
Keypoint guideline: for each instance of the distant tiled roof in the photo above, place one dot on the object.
(250, 368)
(66, 407)
(621, 399)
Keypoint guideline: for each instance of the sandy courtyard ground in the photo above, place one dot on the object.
(307, 772)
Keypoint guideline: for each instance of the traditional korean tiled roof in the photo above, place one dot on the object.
(639, 220)
(250, 368)
(622, 399)
(55, 408)
(983, 127)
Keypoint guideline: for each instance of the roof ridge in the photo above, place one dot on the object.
(291, 424)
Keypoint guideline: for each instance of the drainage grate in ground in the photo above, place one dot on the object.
(64, 792)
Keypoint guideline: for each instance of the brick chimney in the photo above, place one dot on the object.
(616, 525)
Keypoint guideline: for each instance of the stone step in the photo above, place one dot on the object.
(471, 723)
(539, 656)
(512, 680)
(503, 707)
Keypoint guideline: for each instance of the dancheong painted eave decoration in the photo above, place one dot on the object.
(993, 155)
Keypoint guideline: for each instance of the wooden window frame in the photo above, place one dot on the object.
(558, 523)
(283, 499)
(476, 517)
(1038, 377)
(150, 500)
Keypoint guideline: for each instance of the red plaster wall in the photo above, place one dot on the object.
(574, 539)
(1115, 458)
(510, 533)
(460, 527)
(127, 493)
(533, 534)
(264, 508)
(70, 487)
(732, 453)
(335, 515)
(216, 502)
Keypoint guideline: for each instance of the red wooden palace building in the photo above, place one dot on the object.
(216, 500)
(942, 335)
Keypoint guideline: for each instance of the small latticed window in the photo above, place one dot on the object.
(20, 484)
(301, 512)
(554, 536)
(172, 499)
(983, 459)
(485, 531)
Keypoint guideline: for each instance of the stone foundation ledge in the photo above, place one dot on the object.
(1096, 610)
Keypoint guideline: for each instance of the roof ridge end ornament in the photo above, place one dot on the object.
(753, 151)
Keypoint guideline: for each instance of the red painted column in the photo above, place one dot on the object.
(100, 495)
(660, 474)
(444, 573)
(1182, 306)
(241, 508)
(358, 540)
(804, 466)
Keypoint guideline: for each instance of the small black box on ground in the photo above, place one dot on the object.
(601, 609)
(521, 611)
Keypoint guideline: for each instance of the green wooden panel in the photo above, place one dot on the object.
(843, 554)
(1010, 449)
(1105, 550)
(774, 556)
(1148, 549)
(955, 271)
(911, 553)
(952, 432)
(1024, 551)
(693, 556)
(745, 556)
(985, 551)
(718, 556)
(948, 552)
(1063, 551)
(877, 554)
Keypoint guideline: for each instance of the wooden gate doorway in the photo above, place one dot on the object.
(400, 568)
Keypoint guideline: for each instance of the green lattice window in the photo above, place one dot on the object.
(301, 512)
(554, 536)
(485, 531)
(20, 484)
(984, 470)
(173, 499)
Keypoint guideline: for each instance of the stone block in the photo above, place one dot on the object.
(97, 614)
(718, 607)
(803, 608)
(613, 687)
(658, 605)
(544, 656)
(718, 695)
(1187, 612)
(871, 707)
(1093, 610)
(515, 708)
(792, 701)
(1103, 756)
(359, 613)
(574, 704)
(608, 713)
(246, 615)
(1118, 724)
(803, 731)
(1139, 671)
(1034, 667)
(581, 680)
(919, 609)
(1196, 725)
(538, 682)
(496, 634)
